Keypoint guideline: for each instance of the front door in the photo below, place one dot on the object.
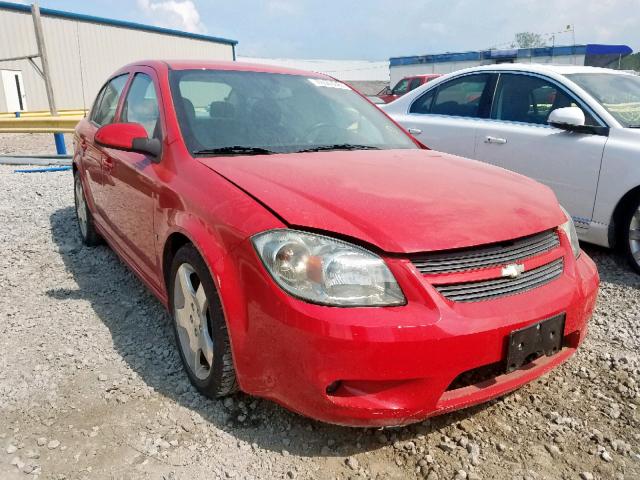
(14, 94)
(131, 182)
(518, 138)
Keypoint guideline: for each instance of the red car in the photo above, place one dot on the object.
(311, 252)
(405, 85)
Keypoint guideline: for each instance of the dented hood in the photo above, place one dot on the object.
(402, 201)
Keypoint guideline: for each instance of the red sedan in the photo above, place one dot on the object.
(405, 86)
(311, 252)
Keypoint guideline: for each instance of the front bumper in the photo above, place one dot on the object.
(393, 365)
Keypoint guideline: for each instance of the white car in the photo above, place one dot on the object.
(574, 128)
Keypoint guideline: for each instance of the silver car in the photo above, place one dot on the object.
(574, 128)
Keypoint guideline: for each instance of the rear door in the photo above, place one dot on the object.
(446, 116)
(102, 113)
(131, 180)
(517, 137)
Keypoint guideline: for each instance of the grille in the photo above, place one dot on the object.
(486, 256)
(501, 287)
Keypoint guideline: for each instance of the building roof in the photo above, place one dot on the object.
(48, 12)
(515, 53)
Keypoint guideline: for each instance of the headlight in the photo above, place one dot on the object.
(323, 270)
(570, 231)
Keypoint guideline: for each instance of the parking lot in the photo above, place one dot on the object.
(91, 385)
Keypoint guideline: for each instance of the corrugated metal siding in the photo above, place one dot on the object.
(82, 55)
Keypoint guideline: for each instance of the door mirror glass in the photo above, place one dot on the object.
(130, 137)
(567, 118)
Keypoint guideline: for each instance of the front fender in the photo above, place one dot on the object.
(216, 230)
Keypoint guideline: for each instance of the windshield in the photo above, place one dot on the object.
(244, 112)
(619, 94)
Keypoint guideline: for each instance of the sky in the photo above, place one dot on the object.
(375, 29)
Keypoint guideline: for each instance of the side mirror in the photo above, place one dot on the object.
(130, 137)
(568, 118)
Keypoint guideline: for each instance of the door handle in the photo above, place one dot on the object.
(414, 131)
(496, 140)
(107, 162)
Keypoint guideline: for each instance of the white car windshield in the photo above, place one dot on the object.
(619, 94)
(227, 112)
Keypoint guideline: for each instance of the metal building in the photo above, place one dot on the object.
(82, 51)
(591, 54)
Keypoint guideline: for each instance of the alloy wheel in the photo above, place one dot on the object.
(191, 313)
(81, 208)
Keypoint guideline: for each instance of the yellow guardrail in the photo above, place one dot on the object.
(42, 124)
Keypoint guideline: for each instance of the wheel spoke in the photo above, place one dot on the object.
(184, 283)
(196, 366)
(634, 234)
(206, 345)
(201, 301)
(182, 317)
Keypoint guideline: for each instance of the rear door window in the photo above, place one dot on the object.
(461, 97)
(104, 110)
(423, 103)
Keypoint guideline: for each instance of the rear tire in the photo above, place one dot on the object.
(88, 232)
(630, 230)
(199, 325)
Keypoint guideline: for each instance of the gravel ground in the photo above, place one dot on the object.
(91, 385)
(31, 143)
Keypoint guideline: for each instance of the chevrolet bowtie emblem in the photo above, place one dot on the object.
(512, 270)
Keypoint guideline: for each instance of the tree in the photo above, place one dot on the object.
(528, 40)
(630, 62)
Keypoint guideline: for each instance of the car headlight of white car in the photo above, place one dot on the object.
(327, 271)
(569, 229)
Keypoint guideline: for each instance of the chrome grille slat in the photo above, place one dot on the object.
(483, 257)
(488, 289)
(497, 282)
(486, 262)
(484, 252)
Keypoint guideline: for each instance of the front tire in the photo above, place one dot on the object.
(199, 325)
(88, 232)
(631, 234)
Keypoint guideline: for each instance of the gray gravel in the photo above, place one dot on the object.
(31, 143)
(91, 385)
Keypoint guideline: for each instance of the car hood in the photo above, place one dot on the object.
(402, 201)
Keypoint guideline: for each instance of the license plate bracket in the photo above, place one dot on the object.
(528, 343)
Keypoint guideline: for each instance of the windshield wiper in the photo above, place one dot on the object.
(339, 146)
(234, 150)
(634, 126)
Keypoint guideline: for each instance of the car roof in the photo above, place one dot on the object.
(544, 68)
(222, 65)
